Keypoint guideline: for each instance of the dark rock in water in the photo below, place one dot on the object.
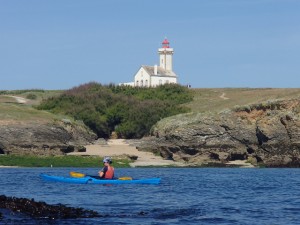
(266, 134)
(42, 210)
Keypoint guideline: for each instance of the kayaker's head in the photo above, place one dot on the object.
(107, 160)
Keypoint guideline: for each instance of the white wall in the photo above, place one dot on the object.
(156, 81)
(142, 78)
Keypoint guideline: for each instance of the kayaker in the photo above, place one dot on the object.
(107, 171)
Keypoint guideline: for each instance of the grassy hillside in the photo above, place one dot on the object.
(11, 111)
(205, 99)
(216, 99)
(33, 96)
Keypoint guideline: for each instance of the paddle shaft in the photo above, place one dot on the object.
(79, 175)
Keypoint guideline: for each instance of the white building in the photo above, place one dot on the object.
(152, 76)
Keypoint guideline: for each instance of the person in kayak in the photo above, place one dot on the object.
(107, 171)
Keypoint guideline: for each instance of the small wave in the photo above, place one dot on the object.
(292, 209)
(175, 213)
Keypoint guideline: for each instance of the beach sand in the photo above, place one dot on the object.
(241, 164)
(119, 147)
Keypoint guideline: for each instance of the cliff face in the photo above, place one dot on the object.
(266, 134)
(54, 138)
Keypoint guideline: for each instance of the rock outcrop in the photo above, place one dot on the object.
(57, 138)
(42, 210)
(266, 134)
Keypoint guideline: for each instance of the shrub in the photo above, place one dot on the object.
(129, 111)
(31, 96)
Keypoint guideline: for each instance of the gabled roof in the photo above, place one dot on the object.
(161, 72)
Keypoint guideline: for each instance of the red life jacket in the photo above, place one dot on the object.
(109, 173)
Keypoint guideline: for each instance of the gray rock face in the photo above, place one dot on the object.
(44, 139)
(266, 134)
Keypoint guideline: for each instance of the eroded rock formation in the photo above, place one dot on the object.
(267, 134)
(57, 138)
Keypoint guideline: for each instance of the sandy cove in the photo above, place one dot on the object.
(119, 147)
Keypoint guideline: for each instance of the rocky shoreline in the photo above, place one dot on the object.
(56, 138)
(265, 134)
(42, 210)
(262, 135)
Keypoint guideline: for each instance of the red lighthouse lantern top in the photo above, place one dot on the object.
(165, 43)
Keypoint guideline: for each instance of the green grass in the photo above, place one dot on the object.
(11, 110)
(209, 100)
(33, 96)
(59, 161)
(18, 112)
(205, 100)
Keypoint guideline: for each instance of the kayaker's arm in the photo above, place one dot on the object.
(102, 172)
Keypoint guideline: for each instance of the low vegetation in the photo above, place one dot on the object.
(15, 113)
(20, 92)
(217, 99)
(34, 96)
(127, 111)
(58, 161)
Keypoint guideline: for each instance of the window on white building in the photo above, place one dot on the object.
(160, 82)
(146, 83)
(142, 83)
(137, 83)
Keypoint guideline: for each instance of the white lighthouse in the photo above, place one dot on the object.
(166, 55)
(152, 76)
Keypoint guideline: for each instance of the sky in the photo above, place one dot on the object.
(60, 44)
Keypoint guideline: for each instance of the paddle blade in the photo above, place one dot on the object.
(125, 178)
(77, 175)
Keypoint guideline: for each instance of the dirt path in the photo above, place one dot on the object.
(19, 99)
(119, 147)
(223, 96)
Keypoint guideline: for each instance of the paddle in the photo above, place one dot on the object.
(80, 175)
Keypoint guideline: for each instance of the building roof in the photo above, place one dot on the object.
(161, 72)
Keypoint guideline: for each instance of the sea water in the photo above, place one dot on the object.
(185, 196)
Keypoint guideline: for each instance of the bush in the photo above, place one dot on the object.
(31, 96)
(129, 111)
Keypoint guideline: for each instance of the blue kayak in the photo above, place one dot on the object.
(92, 180)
